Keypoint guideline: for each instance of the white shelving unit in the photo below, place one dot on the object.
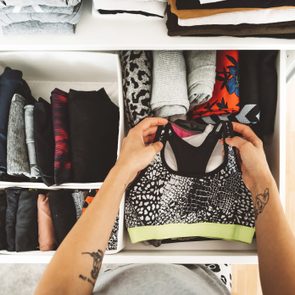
(100, 34)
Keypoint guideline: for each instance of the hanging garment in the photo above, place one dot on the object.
(162, 203)
(12, 197)
(93, 155)
(272, 30)
(201, 73)
(225, 99)
(183, 132)
(137, 84)
(169, 90)
(44, 140)
(3, 206)
(79, 197)
(46, 236)
(26, 227)
(17, 156)
(29, 128)
(63, 213)
(62, 154)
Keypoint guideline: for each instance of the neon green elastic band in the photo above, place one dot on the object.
(209, 230)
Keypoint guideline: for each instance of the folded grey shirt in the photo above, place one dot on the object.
(159, 279)
(37, 9)
(61, 3)
(35, 27)
(10, 18)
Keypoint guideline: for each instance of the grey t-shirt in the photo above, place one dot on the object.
(156, 279)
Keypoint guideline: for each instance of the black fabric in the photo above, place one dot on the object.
(44, 140)
(114, 12)
(195, 4)
(268, 90)
(12, 197)
(187, 155)
(94, 121)
(272, 30)
(11, 82)
(26, 228)
(63, 213)
(3, 206)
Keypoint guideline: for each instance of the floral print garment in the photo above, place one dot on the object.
(226, 94)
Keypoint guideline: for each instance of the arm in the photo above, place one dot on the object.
(275, 240)
(76, 263)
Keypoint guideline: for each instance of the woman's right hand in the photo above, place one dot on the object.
(254, 165)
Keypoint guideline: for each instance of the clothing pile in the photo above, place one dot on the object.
(55, 142)
(193, 190)
(39, 16)
(130, 8)
(32, 219)
(203, 86)
(243, 18)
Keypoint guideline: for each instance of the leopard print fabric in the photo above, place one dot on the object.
(160, 197)
(137, 85)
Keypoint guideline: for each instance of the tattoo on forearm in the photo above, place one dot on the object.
(97, 260)
(260, 202)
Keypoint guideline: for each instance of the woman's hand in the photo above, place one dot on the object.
(254, 165)
(138, 149)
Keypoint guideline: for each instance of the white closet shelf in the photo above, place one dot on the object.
(100, 33)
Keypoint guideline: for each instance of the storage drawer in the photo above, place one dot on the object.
(201, 251)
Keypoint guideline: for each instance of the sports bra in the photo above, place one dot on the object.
(165, 204)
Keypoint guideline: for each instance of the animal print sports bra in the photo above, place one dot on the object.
(164, 204)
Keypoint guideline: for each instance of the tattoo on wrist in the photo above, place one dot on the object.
(260, 202)
(97, 260)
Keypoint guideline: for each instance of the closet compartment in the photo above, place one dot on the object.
(203, 251)
(220, 250)
(85, 71)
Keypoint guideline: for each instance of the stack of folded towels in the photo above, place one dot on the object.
(130, 8)
(243, 18)
(39, 16)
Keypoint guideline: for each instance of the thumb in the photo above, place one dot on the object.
(156, 146)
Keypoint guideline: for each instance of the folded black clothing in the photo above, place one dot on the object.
(258, 89)
(94, 123)
(26, 228)
(268, 90)
(195, 4)
(3, 206)
(44, 140)
(12, 198)
(11, 82)
(63, 213)
(272, 30)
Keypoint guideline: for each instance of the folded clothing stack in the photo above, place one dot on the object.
(203, 86)
(130, 8)
(39, 16)
(244, 18)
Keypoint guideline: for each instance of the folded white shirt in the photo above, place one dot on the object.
(152, 7)
(261, 16)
